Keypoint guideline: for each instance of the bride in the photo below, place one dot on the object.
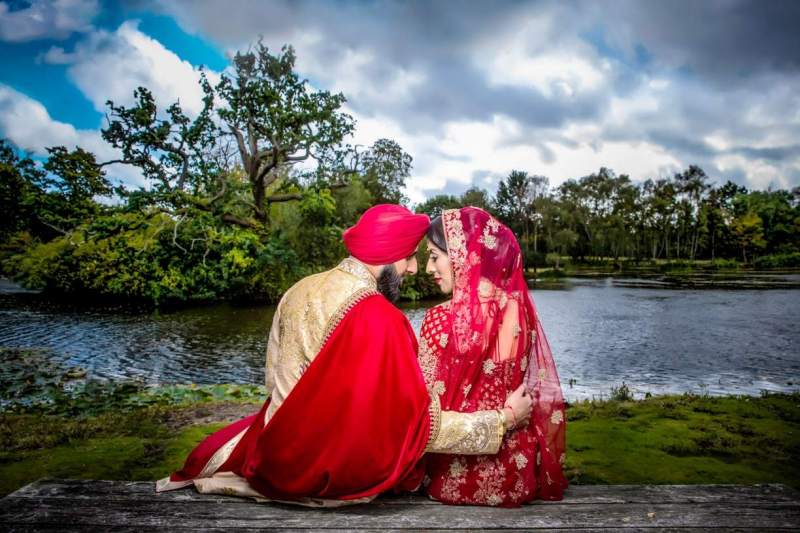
(478, 347)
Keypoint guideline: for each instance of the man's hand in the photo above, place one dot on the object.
(518, 407)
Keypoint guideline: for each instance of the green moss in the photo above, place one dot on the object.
(685, 439)
(134, 446)
(659, 440)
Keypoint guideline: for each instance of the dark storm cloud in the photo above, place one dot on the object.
(720, 40)
(436, 39)
(777, 153)
(732, 67)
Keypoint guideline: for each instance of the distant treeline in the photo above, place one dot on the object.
(230, 210)
(684, 217)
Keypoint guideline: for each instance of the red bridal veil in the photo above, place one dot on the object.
(495, 343)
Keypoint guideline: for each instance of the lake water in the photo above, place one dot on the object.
(602, 332)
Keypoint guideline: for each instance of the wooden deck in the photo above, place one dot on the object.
(69, 505)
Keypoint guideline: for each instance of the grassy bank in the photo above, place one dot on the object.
(664, 439)
(605, 265)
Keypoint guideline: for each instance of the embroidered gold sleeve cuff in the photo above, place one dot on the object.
(435, 411)
(478, 433)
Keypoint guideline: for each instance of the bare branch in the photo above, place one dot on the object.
(242, 148)
(51, 226)
(284, 197)
(233, 219)
(217, 197)
(300, 157)
(175, 233)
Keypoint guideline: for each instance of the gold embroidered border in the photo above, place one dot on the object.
(343, 309)
(435, 411)
(358, 269)
(220, 456)
(454, 235)
(476, 433)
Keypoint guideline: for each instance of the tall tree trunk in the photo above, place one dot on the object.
(713, 242)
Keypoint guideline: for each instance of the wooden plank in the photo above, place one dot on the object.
(87, 505)
(199, 515)
(576, 494)
(120, 529)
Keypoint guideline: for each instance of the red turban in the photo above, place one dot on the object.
(385, 233)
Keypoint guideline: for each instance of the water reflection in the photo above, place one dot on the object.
(602, 333)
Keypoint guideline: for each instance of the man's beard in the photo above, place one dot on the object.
(389, 282)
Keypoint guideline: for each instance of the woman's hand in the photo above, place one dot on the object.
(518, 407)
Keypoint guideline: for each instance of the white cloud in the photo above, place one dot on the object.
(526, 56)
(111, 65)
(56, 56)
(46, 19)
(760, 174)
(468, 147)
(28, 125)
(348, 73)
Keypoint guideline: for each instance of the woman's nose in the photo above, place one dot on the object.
(429, 268)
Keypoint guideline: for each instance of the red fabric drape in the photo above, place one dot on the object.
(493, 341)
(355, 424)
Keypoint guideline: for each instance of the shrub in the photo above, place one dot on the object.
(623, 393)
(778, 260)
(148, 258)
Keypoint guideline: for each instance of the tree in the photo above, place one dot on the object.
(514, 203)
(176, 154)
(385, 167)
(267, 113)
(18, 179)
(277, 121)
(748, 228)
(718, 207)
(563, 240)
(434, 206)
(477, 197)
(692, 183)
(77, 176)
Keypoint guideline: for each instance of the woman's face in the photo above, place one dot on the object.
(439, 266)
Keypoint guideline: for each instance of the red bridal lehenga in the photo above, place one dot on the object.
(475, 350)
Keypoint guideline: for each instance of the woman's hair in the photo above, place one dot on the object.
(436, 233)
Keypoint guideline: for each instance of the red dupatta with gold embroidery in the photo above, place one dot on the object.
(483, 345)
(355, 424)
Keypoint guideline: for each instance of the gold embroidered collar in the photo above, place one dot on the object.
(353, 266)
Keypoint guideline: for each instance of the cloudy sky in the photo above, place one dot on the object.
(471, 89)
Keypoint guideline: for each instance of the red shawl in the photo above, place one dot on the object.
(355, 424)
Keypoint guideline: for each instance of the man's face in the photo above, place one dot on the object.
(391, 277)
(406, 266)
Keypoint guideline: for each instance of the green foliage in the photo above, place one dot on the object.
(748, 229)
(778, 261)
(434, 206)
(474, 196)
(231, 211)
(18, 177)
(385, 169)
(159, 259)
(276, 121)
(622, 393)
(352, 201)
(725, 264)
(553, 259)
(477, 197)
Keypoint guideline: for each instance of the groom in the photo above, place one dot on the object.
(348, 415)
